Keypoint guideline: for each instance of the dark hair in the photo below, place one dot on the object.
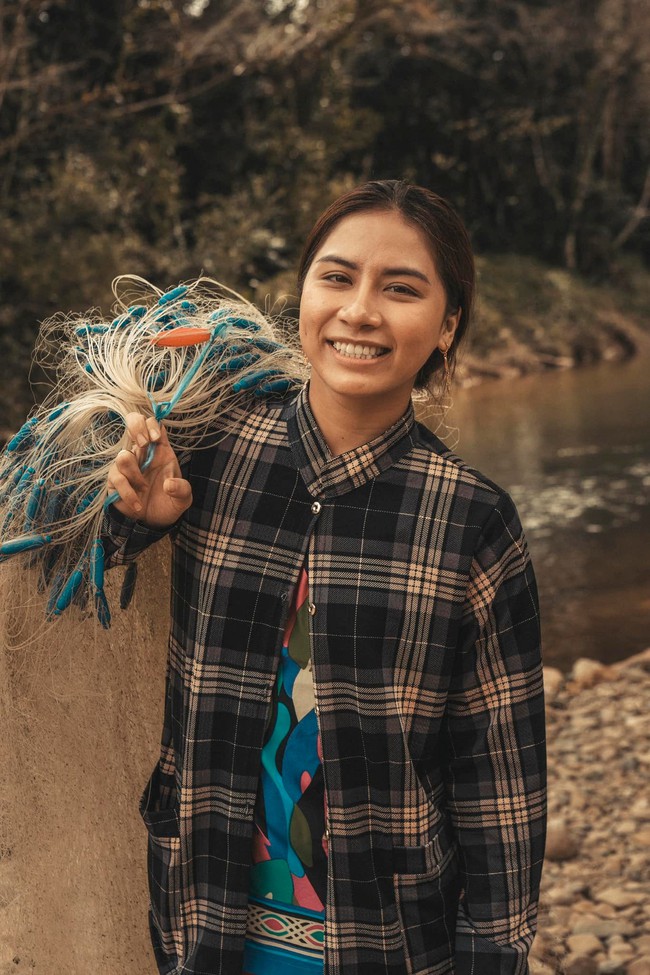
(442, 227)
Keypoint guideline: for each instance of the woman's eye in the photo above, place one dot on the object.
(337, 278)
(402, 289)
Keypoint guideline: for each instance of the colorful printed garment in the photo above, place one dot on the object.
(289, 871)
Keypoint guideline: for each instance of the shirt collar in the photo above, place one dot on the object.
(327, 476)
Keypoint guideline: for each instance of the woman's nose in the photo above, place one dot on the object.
(360, 310)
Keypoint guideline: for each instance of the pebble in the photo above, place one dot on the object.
(620, 897)
(584, 944)
(595, 898)
(561, 844)
(580, 965)
(587, 672)
(602, 927)
(641, 966)
(538, 967)
(553, 681)
(622, 953)
(565, 893)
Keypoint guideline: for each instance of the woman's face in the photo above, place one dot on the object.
(372, 312)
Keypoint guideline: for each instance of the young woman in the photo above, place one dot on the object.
(352, 768)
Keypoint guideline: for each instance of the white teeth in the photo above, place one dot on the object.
(358, 351)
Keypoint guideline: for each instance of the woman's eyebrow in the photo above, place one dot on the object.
(333, 259)
(408, 271)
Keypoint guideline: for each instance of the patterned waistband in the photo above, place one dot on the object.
(287, 931)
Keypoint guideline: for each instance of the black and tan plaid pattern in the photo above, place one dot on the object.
(426, 661)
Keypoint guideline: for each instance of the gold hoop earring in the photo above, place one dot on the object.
(447, 374)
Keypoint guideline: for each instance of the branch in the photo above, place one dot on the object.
(640, 213)
(11, 54)
(51, 74)
(543, 165)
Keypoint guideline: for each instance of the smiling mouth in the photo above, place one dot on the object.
(354, 350)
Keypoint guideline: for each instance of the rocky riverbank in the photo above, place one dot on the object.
(531, 317)
(595, 904)
(609, 341)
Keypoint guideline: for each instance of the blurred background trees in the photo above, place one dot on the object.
(164, 137)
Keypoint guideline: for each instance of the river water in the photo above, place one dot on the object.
(573, 449)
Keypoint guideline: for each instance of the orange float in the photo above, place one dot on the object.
(183, 335)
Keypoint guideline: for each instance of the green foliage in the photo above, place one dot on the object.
(139, 136)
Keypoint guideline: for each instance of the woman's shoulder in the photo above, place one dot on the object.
(468, 485)
(253, 408)
(436, 453)
(248, 415)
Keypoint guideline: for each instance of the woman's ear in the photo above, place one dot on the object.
(449, 327)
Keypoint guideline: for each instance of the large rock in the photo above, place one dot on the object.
(80, 712)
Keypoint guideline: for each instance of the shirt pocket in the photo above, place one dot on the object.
(163, 870)
(427, 889)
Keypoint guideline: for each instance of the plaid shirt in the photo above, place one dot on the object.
(428, 682)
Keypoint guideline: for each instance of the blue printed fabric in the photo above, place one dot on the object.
(289, 856)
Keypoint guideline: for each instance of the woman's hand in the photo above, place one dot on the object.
(159, 495)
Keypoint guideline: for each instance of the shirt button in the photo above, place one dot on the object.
(312, 609)
(315, 508)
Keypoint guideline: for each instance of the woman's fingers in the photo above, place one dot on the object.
(136, 426)
(118, 482)
(127, 479)
(153, 429)
(143, 430)
(179, 490)
(157, 494)
(127, 463)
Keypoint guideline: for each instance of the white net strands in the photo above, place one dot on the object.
(184, 356)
